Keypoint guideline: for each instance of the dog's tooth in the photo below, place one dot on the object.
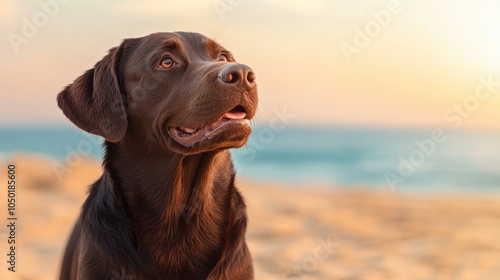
(189, 130)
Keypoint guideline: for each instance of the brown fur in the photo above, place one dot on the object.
(161, 210)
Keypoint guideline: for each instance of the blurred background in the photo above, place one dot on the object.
(378, 129)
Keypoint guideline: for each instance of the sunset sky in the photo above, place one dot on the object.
(416, 66)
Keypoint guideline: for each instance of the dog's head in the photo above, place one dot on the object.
(182, 91)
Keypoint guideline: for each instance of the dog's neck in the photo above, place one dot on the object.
(174, 202)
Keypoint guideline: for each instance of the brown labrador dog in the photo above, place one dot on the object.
(169, 106)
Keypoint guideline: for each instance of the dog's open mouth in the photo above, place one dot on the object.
(188, 136)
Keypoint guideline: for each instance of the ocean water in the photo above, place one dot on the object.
(396, 159)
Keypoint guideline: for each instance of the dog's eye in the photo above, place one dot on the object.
(167, 62)
(222, 57)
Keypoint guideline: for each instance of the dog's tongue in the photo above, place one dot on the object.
(235, 115)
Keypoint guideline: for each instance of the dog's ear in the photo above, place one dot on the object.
(95, 101)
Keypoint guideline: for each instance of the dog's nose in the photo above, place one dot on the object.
(238, 74)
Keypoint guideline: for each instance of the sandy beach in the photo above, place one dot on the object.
(307, 232)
